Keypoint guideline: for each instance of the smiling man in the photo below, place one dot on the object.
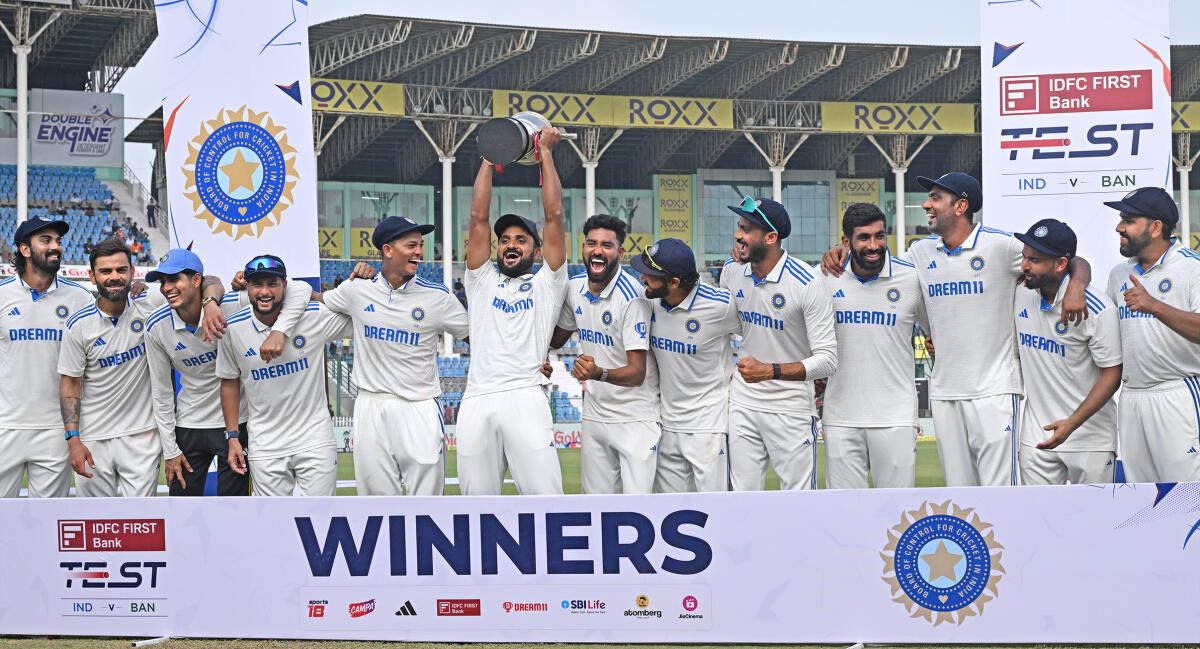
(34, 307)
(505, 417)
(620, 429)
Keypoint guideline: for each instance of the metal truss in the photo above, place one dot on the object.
(853, 79)
(603, 71)
(329, 54)
(354, 135)
(751, 71)
(807, 69)
(543, 63)
(965, 154)
(1185, 80)
(660, 79)
(953, 87)
(479, 57)
(49, 38)
(416, 51)
(126, 45)
(447, 103)
(92, 7)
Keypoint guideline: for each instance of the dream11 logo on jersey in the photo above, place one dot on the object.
(102, 588)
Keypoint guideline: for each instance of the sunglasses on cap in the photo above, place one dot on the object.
(750, 204)
(648, 257)
(266, 262)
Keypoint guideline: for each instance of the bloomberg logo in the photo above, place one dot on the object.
(473, 544)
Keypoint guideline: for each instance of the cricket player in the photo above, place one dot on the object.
(190, 425)
(505, 417)
(290, 430)
(398, 322)
(1158, 296)
(104, 392)
(690, 325)
(34, 307)
(787, 342)
(968, 275)
(870, 412)
(620, 429)
(1069, 425)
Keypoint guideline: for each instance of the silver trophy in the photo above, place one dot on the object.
(510, 140)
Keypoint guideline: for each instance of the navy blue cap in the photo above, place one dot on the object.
(666, 258)
(958, 183)
(1150, 202)
(1051, 237)
(176, 261)
(519, 221)
(393, 227)
(265, 265)
(766, 214)
(29, 226)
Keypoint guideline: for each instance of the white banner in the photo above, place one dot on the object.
(79, 129)
(241, 172)
(1076, 110)
(1081, 564)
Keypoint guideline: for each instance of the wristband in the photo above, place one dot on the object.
(776, 371)
(74, 432)
(232, 434)
(603, 376)
(205, 301)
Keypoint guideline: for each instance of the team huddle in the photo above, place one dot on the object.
(1029, 358)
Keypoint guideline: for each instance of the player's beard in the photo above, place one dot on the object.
(755, 254)
(610, 269)
(113, 293)
(657, 293)
(521, 268)
(46, 265)
(276, 305)
(1038, 282)
(1135, 245)
(868, 267)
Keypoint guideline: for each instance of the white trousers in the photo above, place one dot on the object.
(1159, 431)
(787, 441)
(513, 430)
(1040, 467)
(888, 454)
(125, 466)
(399, 446)
(690, 462)
(313, 470)
(40, 453)
(977, 440)
(619, 457)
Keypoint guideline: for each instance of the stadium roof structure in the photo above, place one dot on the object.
(449, 70)
(80, 44)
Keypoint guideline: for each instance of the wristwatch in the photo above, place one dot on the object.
(205, 301)
(603, 375)
(232, 434)
(776, 371)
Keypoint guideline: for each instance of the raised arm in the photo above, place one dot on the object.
(1074, 303)
(554, 238)
(479, 237)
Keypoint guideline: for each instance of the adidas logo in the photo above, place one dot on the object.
(179, 346)
(100, 342)
(250, 352)
(1125, 287)
(654, 447)
(1008, 429)
(370, 308)
(1024, 313)
(1191, 450)
(407, 609)
(578, 311)
(806, 442)
(740, 293)
(839, 293)
(15, 311)
(931, 266)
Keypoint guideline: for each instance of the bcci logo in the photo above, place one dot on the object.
(418, 314)
(1060, 328)
(893, 295)
(137, 325)
(525, 287)
(298, 342)
(62, 311)
(692, 325)
(606, 318)
(1164, 286)
(977, 263)
(940, 564)
(778, 301)
(240, 173)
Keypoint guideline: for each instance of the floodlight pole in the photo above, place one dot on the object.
(1184, 159)
(590, 155)
(777, 158)
(22, 45)
(445, 147)
(899, 159)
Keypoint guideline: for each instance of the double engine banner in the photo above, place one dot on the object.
(1112, 563)
(1076, 110)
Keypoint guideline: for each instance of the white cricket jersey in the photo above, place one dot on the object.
(1153, 353)
(109, 354)
(786, 318)
(1061, 362)
(512, 320)
(32, 326)
(874, 317)
(286, 400)
(690, 343)
(969, 293)
(172, 346)
(728, 271)
(397, 333)
(608, 325)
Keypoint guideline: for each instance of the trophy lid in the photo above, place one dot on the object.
(502, 140)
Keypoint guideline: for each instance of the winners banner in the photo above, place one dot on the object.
(241, 171)
(1080, 564)
(1076, 110)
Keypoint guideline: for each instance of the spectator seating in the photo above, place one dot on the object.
(55, 185)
